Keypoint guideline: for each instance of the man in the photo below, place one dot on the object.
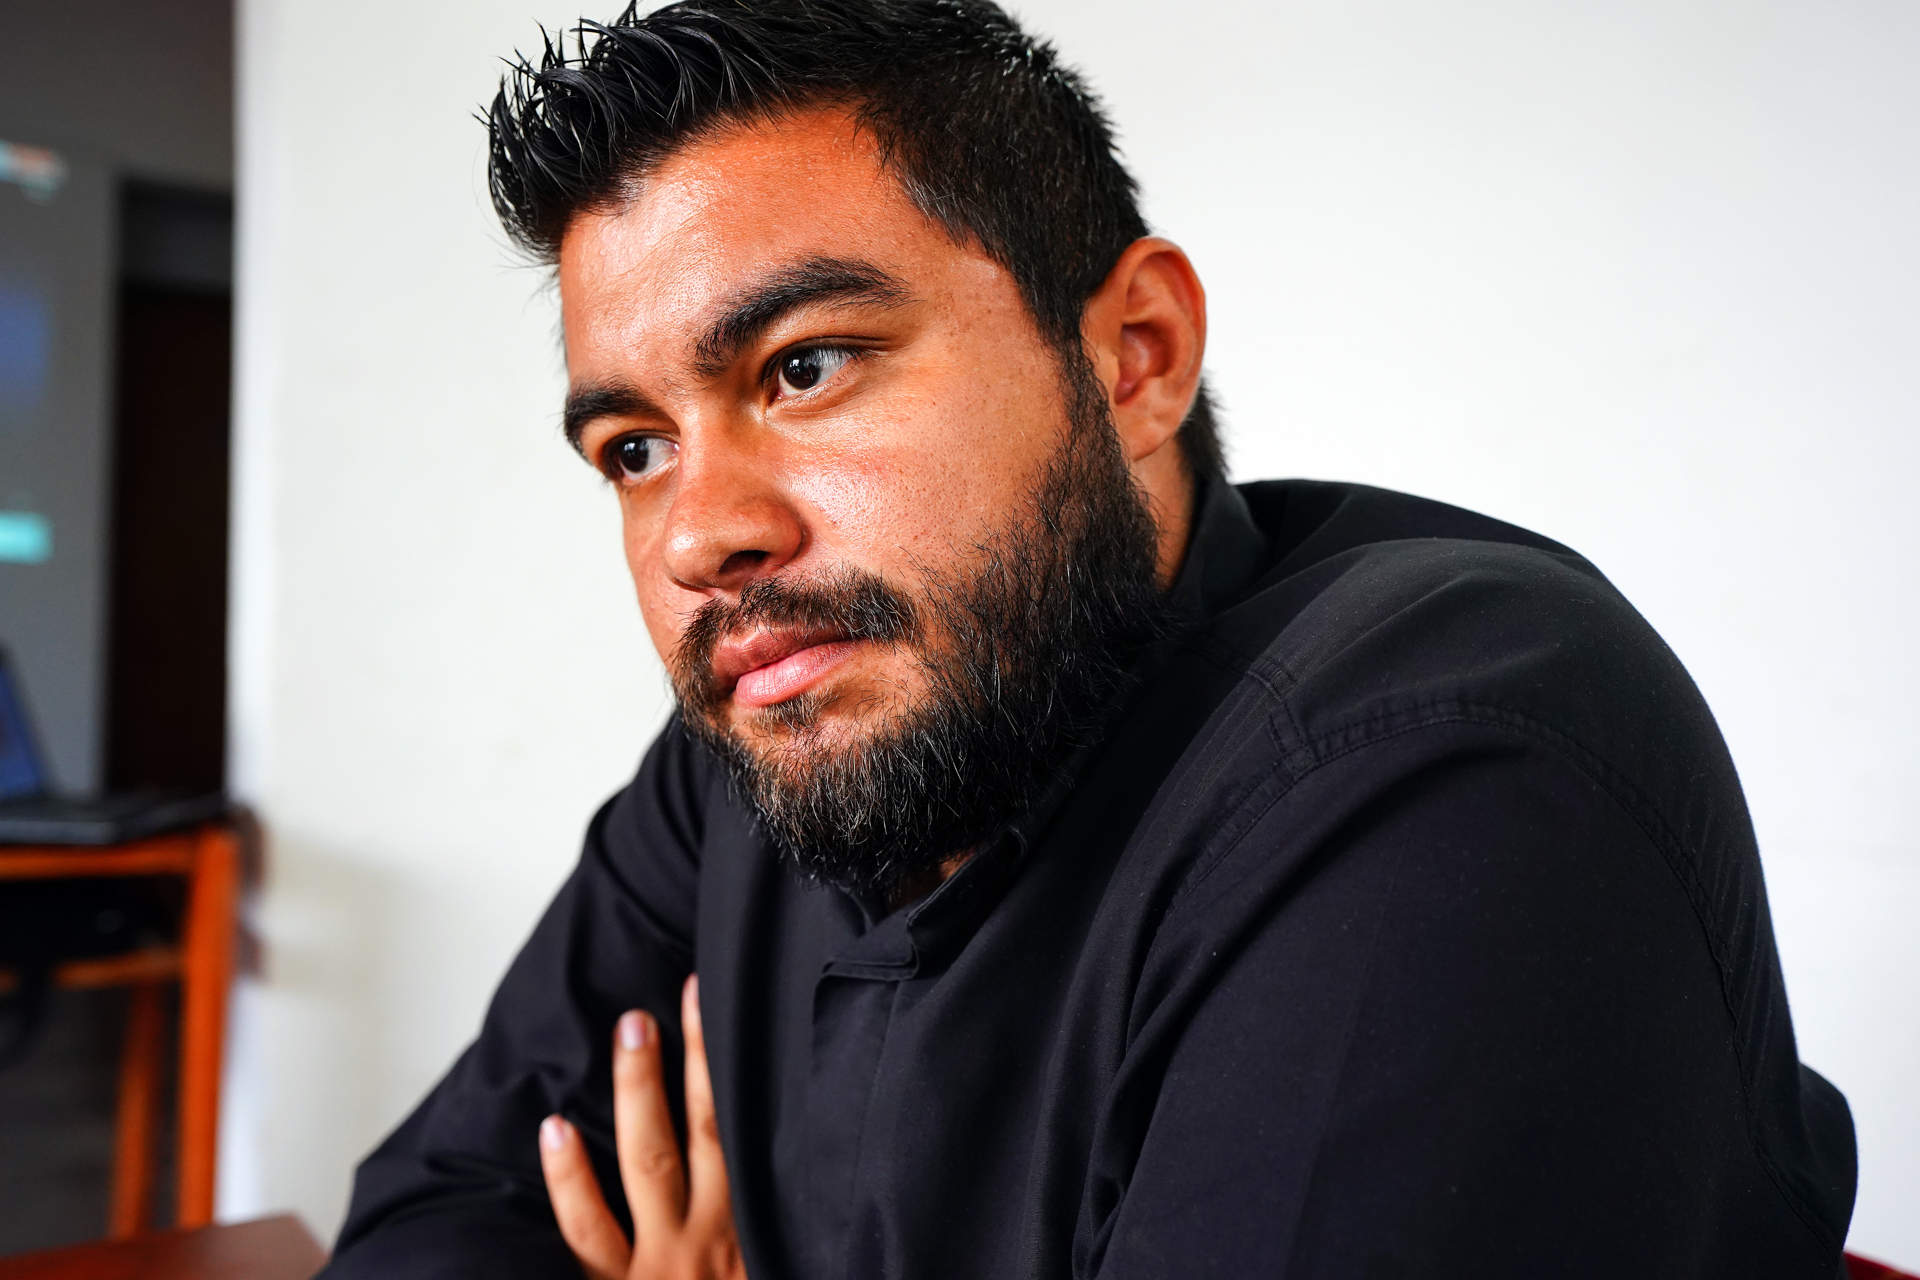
(1090, 868)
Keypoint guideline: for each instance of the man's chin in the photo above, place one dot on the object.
(804, 729)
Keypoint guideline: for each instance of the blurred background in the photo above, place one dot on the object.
(1644, 277)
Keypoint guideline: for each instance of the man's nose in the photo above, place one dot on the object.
(730, 521)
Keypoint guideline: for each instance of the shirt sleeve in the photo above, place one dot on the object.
(1446, 1010)
(456, 1190)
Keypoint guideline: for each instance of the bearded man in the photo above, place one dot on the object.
(1090, 867)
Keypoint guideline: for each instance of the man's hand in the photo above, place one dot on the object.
(680, 1231)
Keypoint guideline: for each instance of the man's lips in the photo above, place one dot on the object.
(769, 667)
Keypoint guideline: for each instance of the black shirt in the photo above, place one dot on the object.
(1407, 922)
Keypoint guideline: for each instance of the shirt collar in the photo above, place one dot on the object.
(1225, 554)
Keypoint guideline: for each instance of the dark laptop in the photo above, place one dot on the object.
(31, 814)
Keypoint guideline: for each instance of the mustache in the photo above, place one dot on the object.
(855, 602)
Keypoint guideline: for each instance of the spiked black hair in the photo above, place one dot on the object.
(990, 135)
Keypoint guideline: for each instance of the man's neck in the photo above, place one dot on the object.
(910, 891)
(1172, 494)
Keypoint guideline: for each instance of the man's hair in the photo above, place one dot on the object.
(988, 133)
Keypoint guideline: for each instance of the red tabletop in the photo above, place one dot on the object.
(267, 1249)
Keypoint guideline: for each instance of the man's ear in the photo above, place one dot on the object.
(1146, 331)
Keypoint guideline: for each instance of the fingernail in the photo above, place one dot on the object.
(690, 1002)
(553, 1133)
(633, 1030)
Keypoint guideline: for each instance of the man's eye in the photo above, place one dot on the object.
(636, 457)
(807, 368)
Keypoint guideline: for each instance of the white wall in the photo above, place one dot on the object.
(437, 670)
(1642, 276)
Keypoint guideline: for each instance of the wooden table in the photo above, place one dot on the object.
(208, 857)
(267, 1249)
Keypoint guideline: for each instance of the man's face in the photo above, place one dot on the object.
(849, 468)
(888, 429)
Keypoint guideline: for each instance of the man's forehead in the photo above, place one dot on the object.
(726, 208)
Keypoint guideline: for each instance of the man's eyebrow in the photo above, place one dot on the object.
(756, 308)
(600, 400)
(743, 317)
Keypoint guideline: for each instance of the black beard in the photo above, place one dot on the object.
(1032, 648)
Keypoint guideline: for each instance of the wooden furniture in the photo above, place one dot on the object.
(267, 1249)
(208, 857)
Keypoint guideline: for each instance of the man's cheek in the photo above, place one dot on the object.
(871, 504)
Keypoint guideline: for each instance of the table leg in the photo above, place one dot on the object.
(140, 1067)
(207, 975)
